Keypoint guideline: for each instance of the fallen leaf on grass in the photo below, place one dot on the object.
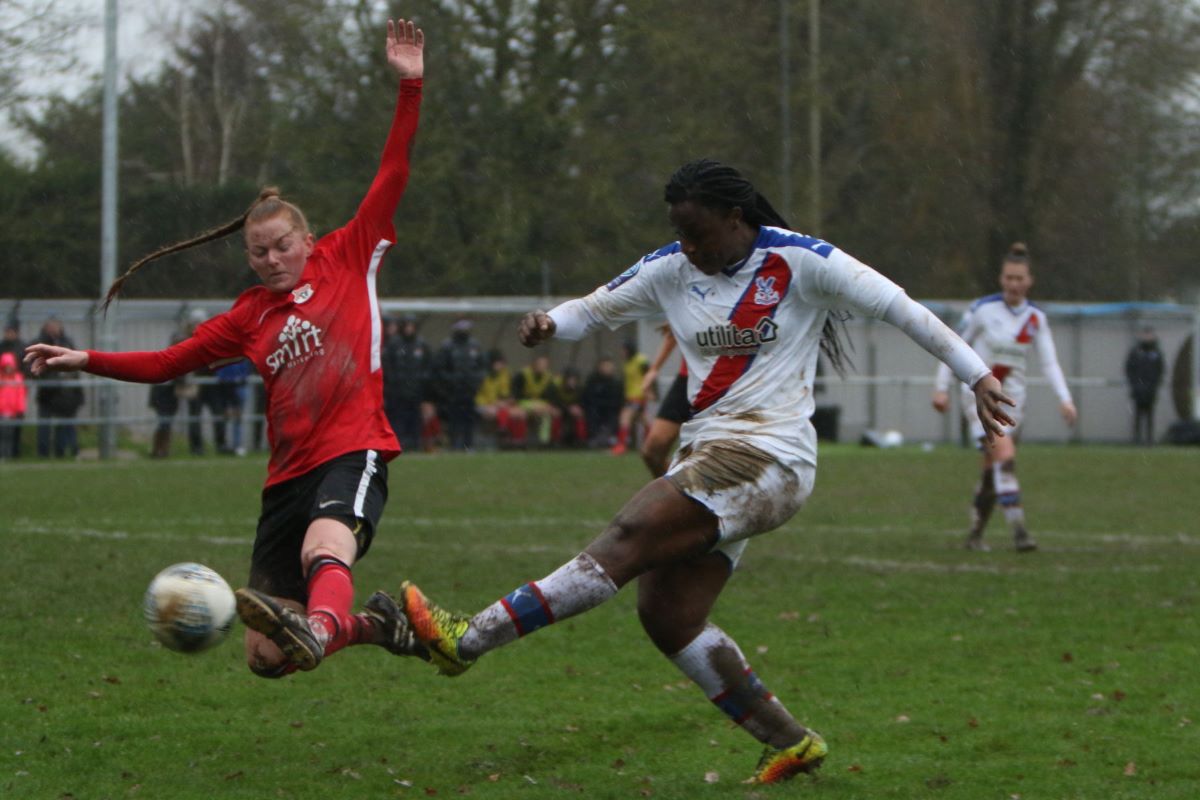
(903, 718)
(788, 616)
(1130, 769)
(854, 768)
(712, 777)
(1118, 695)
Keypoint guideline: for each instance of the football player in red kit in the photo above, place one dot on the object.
(313, 330)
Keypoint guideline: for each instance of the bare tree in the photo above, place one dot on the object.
(35, 48)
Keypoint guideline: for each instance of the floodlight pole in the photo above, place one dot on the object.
(108, 224)
(1196, 363)
(785, 110)
(814, 114)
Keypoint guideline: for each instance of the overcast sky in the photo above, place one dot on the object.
(138, 51)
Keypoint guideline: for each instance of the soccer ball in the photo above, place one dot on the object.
(188, 607)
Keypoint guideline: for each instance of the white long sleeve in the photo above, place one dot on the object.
(923, 327)
(572, 320)
(1048, 357)
(968, 330)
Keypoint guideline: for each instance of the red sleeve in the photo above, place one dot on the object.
(379, 206)
(216, 339)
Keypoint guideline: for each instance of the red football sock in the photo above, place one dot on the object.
(330, 596)
(623, 435)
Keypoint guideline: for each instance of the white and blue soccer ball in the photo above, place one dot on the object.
(189, 607)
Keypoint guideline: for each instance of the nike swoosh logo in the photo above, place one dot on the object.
(328, 503)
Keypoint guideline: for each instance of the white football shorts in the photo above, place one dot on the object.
(750, 490)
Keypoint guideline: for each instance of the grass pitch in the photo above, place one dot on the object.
(932, 672)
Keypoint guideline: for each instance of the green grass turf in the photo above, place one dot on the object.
(933, 672)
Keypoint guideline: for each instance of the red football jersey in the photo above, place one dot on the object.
(316, 347)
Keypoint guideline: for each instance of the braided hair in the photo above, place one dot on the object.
(722, 188)
(267, 205)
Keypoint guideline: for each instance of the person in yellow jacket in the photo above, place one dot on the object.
(496, 403)
(536, 391)
(635, 366)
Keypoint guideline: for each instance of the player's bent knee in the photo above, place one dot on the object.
(621, 551)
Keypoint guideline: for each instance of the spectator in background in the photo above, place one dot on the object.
(231, 387)
(603, 397)
(11, 343)
(570, 407)
(204, 393)
(458, 370)
(406, 378)
(13, 400)
(635, 367)
(165, 403)
(1144, 368)
(165, 397)
(58, 400)
(495, 404)
(536, 391)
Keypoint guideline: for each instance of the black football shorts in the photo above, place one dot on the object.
(351, 488)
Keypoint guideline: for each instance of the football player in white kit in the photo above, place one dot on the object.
(1003, 328)
(748, 301)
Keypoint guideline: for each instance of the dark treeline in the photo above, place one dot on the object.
(949, 129)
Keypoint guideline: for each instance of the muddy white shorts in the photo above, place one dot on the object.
(750, 490)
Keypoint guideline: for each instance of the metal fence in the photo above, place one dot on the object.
(888, 389)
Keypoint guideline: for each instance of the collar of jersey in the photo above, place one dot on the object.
(1015, 310)
(732, 269)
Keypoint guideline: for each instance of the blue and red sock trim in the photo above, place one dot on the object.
(528, 609)
(735, 701)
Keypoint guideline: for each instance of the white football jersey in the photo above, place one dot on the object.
(751, 333)
(1003, 336)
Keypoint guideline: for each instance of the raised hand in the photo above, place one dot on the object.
(43, 358)
(535, 328)
(406, 48)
